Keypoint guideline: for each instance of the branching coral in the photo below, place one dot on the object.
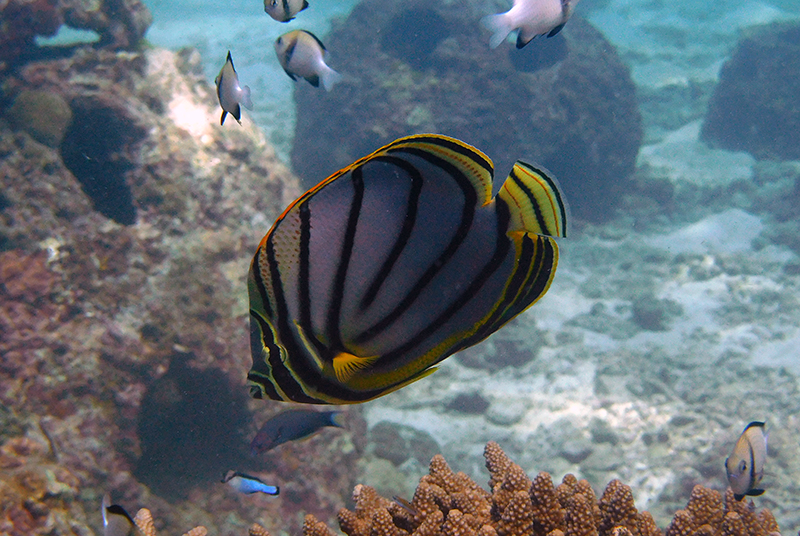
(452, 504)
(144, 522)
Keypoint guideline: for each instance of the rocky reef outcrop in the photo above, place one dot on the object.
(567, 102)
(119, 24)
(755, 106)
(128, 217)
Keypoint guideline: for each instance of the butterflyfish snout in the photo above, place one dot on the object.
(745, 465)
(394, 263)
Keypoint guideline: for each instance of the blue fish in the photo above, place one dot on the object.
(116, 521)
(244, 483)
(394, 263)
(293, 424)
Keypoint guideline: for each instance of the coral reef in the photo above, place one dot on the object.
(755, 107)
(566, 103)
(451, 504)
(124, 248)
(120, 24)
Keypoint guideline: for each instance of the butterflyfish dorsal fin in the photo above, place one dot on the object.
(454, 155)
(346, 365)
(534, 201)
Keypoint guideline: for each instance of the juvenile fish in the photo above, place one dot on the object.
(230, 93)
(532, 18)
(116, 521)
(293, 424)
(284, 10)
(244, 483)
(745, 465)
(302, 54)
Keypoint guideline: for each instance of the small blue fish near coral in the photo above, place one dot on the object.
(293, 424)
(284, 10)
(745, 465)
(532, 18)
(394, 263)
(248, 484)
(302, 54)
(230, 93)
(116, 521)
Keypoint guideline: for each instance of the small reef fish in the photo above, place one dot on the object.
(391, 265)
(284, 10)
(302, 54)
(116, 521)
(293, 424)
(244, 483)
(745, 465)
(532, 18)
(230, 93)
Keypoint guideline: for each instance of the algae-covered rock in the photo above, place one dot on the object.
(566, 103)
(42, 114)
(756, 105)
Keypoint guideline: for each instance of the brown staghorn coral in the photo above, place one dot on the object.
(147, 527)
(451, 504)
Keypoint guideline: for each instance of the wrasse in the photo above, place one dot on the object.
(745, 465)
(391, 265)
(244, 483)
(293, 424)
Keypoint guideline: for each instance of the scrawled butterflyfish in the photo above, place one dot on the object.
(394, 263)
(532, 18)
(745, 465)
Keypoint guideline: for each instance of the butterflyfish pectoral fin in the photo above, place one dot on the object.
(535, 202)
(346, 365)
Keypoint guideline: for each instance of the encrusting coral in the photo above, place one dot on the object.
(452, 504)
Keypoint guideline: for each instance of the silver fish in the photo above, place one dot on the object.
(532, 18)
(745, 465)
(230, 93)
(284, 10)
(116, 521)
(302, 54)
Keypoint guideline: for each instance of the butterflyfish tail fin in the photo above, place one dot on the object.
(346, 365)
(535, 202)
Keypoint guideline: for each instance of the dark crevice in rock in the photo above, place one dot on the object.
(190, 427)
(94, 150)
(413, 35)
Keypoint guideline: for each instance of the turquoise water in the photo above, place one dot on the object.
(672, 322)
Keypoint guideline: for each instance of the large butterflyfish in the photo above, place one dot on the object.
(394, 263)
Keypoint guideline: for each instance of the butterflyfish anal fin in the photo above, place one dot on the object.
(346, 365)
(535, 202)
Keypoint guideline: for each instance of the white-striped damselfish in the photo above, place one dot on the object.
(391, 265)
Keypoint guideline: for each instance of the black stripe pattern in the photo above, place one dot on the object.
(393, 264)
